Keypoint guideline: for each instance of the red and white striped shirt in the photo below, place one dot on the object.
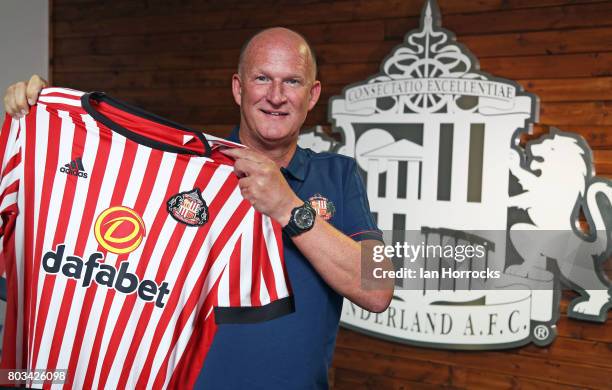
(123, 245)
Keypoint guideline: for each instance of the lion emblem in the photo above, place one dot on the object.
(558, 182)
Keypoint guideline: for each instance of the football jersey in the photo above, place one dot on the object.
(125, 241)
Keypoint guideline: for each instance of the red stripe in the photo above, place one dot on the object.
(125, 170)
(94, 181)
(194, 296)
(234, 274)
(266, 268)
(11, 164)
(52, 153)
(278, 236)
(177, 293)
(66, 207)
(150, 175)
(4, 137)
(9, 344)
(11, 189)
(255, 273)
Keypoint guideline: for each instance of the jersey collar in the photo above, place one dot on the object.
(297, 166)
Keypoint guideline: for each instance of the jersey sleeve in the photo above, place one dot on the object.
(358, 221)
(10, 155)
(255, 285)
(10, 158)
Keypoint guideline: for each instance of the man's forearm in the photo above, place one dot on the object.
(337, 258)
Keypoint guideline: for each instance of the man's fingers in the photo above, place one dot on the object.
(19, 97)
(9, 102)
(35, 85)
(243, 167)
(244, 153)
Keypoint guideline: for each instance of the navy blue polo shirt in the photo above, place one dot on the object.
(295, 351)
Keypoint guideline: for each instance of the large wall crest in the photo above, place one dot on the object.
(437, 142)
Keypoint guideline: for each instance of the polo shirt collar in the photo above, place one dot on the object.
(297, 165)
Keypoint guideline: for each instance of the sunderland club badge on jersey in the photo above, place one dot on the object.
(188, 208)
(323, 206)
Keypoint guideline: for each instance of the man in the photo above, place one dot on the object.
(275, 88)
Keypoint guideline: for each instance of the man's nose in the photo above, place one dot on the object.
(276, 93)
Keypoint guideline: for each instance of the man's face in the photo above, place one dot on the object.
(275, 90)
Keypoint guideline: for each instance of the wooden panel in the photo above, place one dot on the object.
(176, 58)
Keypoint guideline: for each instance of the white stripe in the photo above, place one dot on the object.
(60, 100)
(65, 91)
(8, 200)
(57, 194)
(264, 296)
(223, 298)
(246, 259)
(274, 255)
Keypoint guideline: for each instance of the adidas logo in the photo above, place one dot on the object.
(75, 168)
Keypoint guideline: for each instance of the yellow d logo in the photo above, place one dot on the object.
(119, 229)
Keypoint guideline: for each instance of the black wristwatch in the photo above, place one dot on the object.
(302, 220)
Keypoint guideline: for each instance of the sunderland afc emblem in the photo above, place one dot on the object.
(323, 206)
(188, 208)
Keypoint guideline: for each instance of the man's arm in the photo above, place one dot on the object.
(336, 257)
(20, 96)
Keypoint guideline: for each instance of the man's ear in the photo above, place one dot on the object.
(315, 92)
(237, 88)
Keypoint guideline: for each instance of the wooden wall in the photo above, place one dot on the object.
(176, 57)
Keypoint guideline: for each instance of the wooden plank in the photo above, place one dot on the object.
(540, 42)
(469, 378)
(594, 353)
(332, 76)
(550, 66)
(169, 17)
(512, 20)
(570, 89)
(505, 363)
(109, 80)
(598, 137)
(392, 366)
(351, 379)
(517, 44)
(576, 113)
(156, 41)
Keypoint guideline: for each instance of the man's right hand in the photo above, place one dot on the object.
(20, 96)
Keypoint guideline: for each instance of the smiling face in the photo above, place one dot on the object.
(275, 88)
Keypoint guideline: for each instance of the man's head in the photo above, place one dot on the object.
(275, 86)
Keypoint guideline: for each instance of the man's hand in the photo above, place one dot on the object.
(20, 96)
(263, 185)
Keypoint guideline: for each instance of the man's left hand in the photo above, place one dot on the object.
(263, 185)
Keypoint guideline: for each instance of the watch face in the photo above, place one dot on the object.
(304, 218)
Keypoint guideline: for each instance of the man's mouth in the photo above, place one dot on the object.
(274, 113)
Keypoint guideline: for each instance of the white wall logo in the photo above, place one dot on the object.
(436, 140)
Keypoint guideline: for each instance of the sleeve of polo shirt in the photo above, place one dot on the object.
(358, 221)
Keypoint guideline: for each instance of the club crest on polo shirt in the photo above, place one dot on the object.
(323, 206)
(188, 208)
